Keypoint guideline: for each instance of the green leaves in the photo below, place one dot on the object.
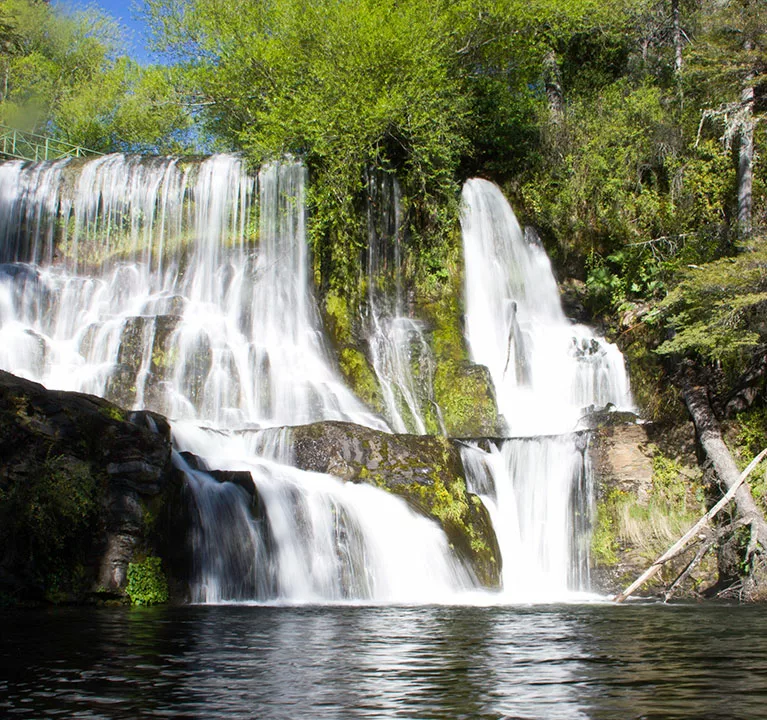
(717, 310)
(147, 584)
(61, 74)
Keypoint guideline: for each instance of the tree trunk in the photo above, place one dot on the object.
(677, 36)
(710, 436)
(553, 81)
(746, 155)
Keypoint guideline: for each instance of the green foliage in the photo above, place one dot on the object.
(147, 584)
(717, 309)
(750, 438)
(62, 75)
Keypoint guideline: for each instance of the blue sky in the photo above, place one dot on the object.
(125, 12)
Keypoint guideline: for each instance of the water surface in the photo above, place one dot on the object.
(566, 661)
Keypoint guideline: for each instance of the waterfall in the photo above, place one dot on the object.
(313, 538)
(539, 493)
(183, 287)
(548, 373)
(401, 357)
(154, 296)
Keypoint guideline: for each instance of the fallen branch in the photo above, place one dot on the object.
(680, 544)
(706, 545)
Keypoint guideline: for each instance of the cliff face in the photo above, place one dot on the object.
(650, 491)
(84, 490)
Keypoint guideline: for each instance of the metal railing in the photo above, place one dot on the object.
(22, 145)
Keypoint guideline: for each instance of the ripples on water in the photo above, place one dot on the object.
(570, 662)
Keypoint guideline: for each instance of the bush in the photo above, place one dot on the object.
(147, 584)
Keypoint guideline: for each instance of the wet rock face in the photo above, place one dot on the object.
(81, 486)
(425, 471)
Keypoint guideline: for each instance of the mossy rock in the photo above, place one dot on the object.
(425, 471)
(466, 395)
(82, 485)
(649, 493)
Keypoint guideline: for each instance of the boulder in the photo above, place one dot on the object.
(426, 471)
(84, 490)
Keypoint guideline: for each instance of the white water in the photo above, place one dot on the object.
(547, 371)
(325, 540)
(548, 374)
(539, 493)
(400, 355)
(143, 280)
(146, 281)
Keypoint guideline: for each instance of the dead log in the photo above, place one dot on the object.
(710, 436)
(680, 544)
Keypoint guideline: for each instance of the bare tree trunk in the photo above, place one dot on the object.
(746, 154)
(746, 163)
(553, 81)
(677, 36)
(710, 436)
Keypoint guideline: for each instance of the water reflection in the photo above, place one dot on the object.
(592, 662)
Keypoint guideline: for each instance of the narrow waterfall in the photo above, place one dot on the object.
(547, 370)
(148, 281)
(548, 373)
(401, 357)
(539, 494)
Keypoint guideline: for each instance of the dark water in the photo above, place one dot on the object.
(582, 661)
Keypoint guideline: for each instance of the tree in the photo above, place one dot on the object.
(63, 76)
(728, 67)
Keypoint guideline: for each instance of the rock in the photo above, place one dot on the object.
(426, 471)
(83, 486)
(596, 417)
(466, 394)
(649, 492)
(574, 294)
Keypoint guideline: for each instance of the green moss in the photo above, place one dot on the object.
(360, 377)
(339, 317)
(465, 395)
(113, 413)
(47, 521)
(164, 360)
(147, 584)
(604, 543)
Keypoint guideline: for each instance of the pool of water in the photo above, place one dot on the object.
(556, 661)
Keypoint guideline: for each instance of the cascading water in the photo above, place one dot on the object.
(546, 370)
(137, 279)
(401, 357)
(548, 373)
(141, 279)
(539, 493)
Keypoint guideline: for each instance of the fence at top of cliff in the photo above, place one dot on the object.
(21, 145)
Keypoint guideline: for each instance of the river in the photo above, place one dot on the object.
(592, 661)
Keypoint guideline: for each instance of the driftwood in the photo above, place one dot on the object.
(680, 544)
